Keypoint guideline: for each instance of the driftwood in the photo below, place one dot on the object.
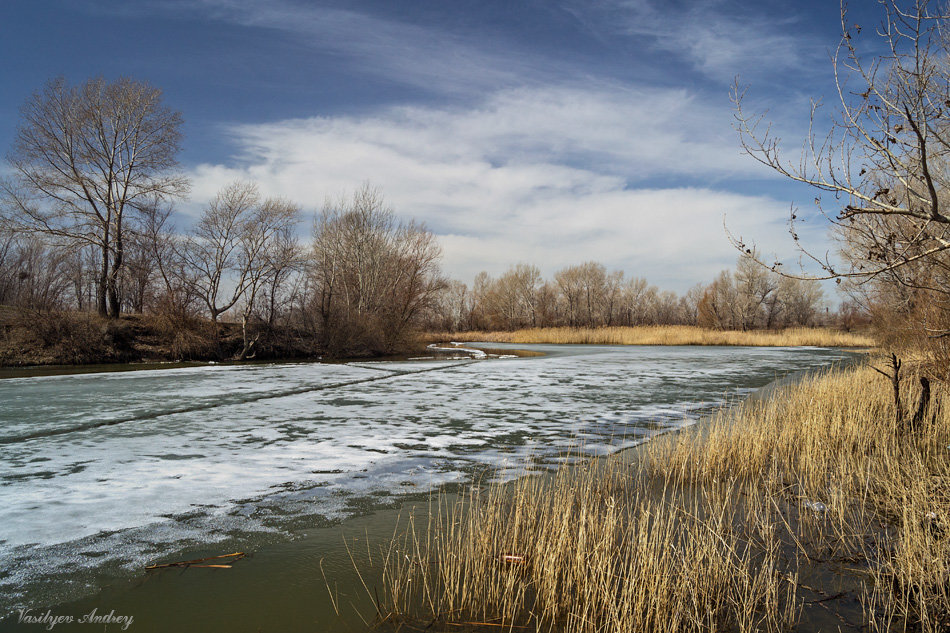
(194, 563)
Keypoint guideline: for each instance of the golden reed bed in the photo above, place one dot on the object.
(806, 511)
(665, 335)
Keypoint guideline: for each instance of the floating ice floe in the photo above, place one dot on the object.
(474, 353)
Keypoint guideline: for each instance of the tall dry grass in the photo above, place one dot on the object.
(861, 490)
(665, 335)
(586, 551)
(808, 508)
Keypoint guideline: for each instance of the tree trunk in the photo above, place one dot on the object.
(114, 305)
(896, 383)
(922, 406)
(103, 283)
(248, 350)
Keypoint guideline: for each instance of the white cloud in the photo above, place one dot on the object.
(548, 176)
(719, 43)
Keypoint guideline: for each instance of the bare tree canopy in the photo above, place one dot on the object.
(585, 295)
(886, 158)
(228, 253)
(373, 275)
(86, 156)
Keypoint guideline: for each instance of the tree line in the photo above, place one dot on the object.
(587, 295)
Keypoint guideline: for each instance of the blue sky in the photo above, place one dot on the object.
(536, 131)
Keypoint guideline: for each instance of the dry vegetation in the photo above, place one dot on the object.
(808, 510)
(667, 335)
(39, 337)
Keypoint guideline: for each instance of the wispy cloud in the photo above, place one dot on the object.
(516, 151)
(715, 39)
(387, 49)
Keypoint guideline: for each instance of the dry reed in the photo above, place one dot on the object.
(666, 335)
(767, 517)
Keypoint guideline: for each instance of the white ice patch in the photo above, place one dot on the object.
(472, 352)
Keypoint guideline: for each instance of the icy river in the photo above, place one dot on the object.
(104, 473)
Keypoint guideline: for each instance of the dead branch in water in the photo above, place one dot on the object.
(194, 563)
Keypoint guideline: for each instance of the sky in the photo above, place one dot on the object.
(548, 132)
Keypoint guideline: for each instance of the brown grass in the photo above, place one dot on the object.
(805, 509)
(666, 335)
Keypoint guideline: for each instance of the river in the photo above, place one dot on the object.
(104, 473)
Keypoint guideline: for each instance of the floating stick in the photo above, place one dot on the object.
(193, 563)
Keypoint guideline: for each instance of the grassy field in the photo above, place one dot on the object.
(666, 335)
(808, 510)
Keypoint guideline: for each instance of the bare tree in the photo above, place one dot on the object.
(637, 293)
(547, 304)
(8, 273)
(717, 308)
(611, 298)
(176, 296)
(801, 301)
(570, 283)
(225, 255)
(414, 282)
(756, 298)
(34, 274)
(84, 157)
(283, 258)
(451, 312)
(514, 296)
(267, 254)
(593, 278)
(690, 302)
(667, 308)
(213, 250)
(373, 275)
(481, 288)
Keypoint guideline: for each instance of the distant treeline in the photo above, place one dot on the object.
(587, 295)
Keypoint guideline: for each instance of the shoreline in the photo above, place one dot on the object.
(703, 425)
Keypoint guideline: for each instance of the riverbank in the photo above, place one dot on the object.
(40, 338)
(666, 335)
(30, 338)
(805, 510)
